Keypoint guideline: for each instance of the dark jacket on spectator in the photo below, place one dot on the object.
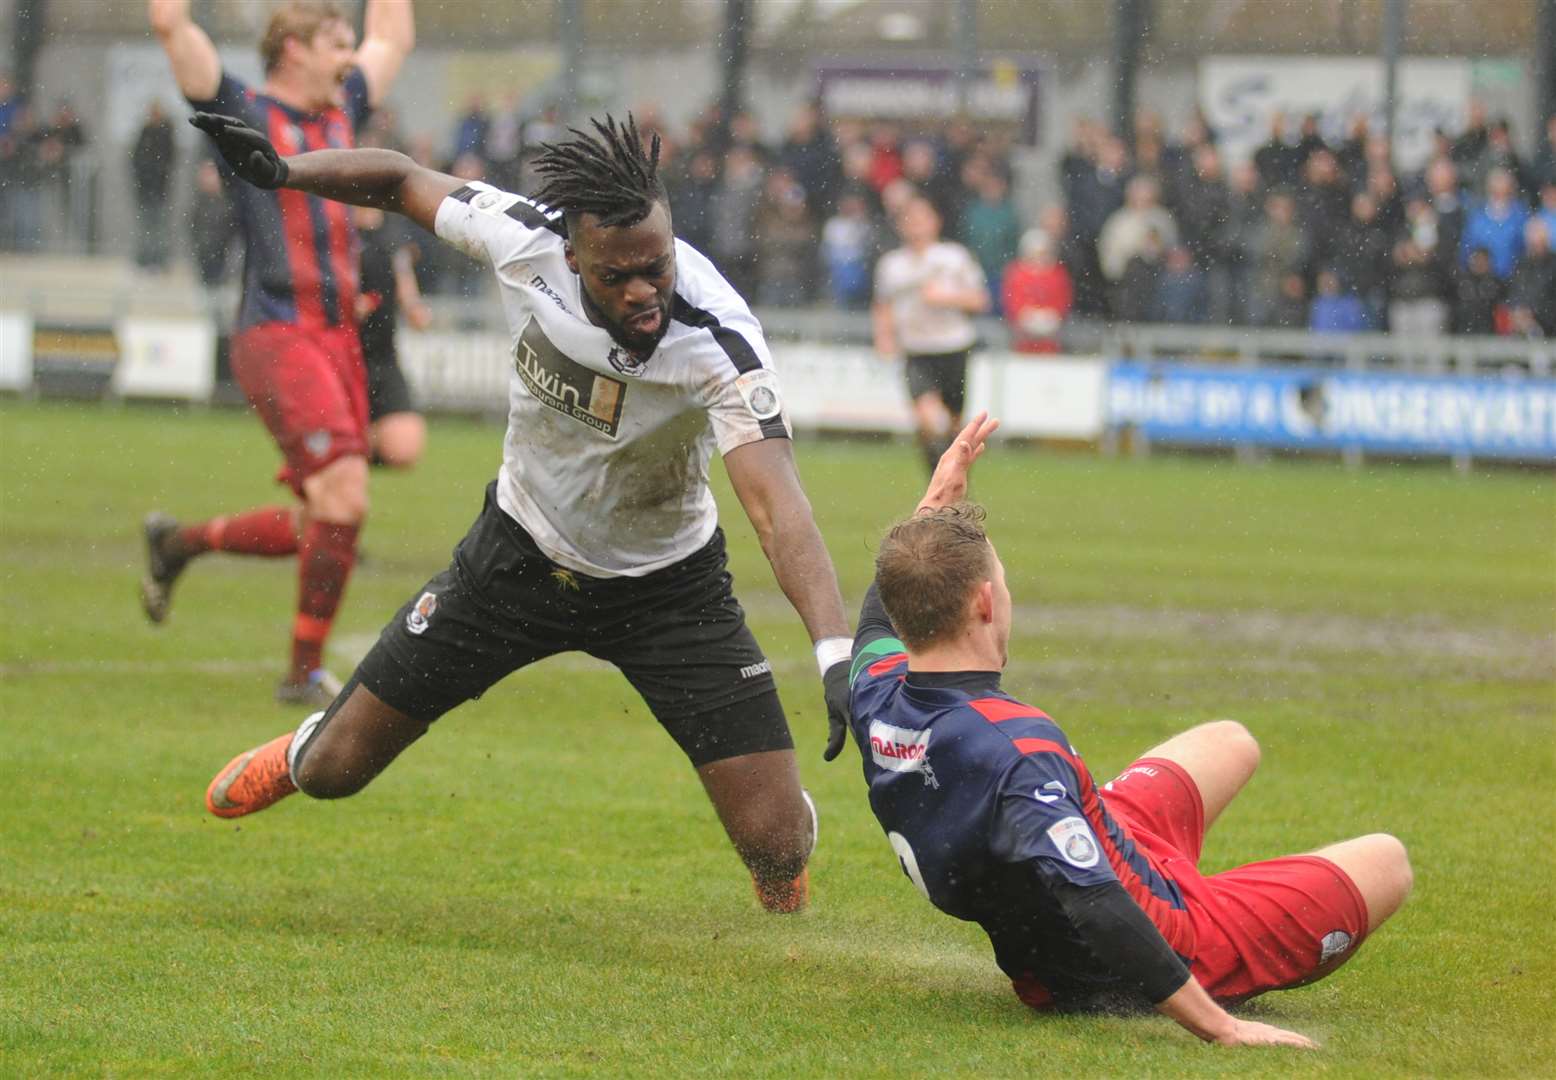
(1534, 287)
(1476, 299)
(151, 162)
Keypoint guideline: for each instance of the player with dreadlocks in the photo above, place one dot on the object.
(633, 359)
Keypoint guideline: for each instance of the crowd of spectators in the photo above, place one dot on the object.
(797, 221)
(1313, 234)
(1308, 233)
(36, 155)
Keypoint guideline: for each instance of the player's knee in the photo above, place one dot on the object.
(1390, 853)
(323, 777)
(338, 494)
(1234, 741)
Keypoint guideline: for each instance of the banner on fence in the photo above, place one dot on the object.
(1315, 409)
(15, 350)
(826, 387)
(165, 358)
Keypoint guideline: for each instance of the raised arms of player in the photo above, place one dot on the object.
(383, 178)
(196, 67)
(875, 636)
(768, 486)
(388, 34)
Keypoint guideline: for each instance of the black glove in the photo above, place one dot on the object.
(834, 688)
(246, 151)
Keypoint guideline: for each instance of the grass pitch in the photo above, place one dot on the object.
(540, 888)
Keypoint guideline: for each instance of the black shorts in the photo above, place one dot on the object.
(677, 634)
(387, 390)
(942, 373)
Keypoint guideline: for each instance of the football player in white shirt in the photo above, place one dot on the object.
(633, 359)
(926, 293)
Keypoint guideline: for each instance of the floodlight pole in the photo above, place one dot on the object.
(733, 44)
(1129, 30)
(966, 53)
(1545, 62)
(569, 17)
(28, 21)
(1393, 45)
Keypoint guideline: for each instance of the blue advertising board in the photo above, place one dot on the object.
(1316, 409)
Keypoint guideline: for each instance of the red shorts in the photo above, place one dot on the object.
(310, 389)
(1265, 926)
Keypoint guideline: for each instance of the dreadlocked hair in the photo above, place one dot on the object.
(610, 177)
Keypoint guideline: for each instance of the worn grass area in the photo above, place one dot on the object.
(539, 888)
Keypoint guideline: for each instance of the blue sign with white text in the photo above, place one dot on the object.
(1306, 408)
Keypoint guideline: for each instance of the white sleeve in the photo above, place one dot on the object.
(493, 225)
(745, 399)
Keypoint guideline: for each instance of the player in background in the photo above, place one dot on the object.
(926, 292)
(295, 349)
(1090, 893)
(397, 433)
(633, 361)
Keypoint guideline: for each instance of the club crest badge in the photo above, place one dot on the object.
(759, 390)
(625, 362)
(1075, 843)
(1333, 944)
(421, 615)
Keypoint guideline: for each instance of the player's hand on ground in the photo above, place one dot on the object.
(1253, 1033)
(948, 485)
(834, 687)
(246, 151)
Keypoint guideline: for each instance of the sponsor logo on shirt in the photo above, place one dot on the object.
(539, 284)
(1055, 792)
(1075, 843)
(901, 750)
(421, 615)
(751, 671)
(559, 382)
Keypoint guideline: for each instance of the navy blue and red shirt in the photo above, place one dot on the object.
(997, 820)
(300, 251)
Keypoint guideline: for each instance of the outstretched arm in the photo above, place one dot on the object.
(875, 636)
(385, 179)
(196, 67)
(768, 486)
(388, 35)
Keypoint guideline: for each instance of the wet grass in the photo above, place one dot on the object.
(539, 887)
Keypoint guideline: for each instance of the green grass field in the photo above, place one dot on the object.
(540, 888)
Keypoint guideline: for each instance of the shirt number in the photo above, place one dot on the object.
(909, 861)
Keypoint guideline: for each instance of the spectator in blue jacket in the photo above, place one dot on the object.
(1336, 310)
(1497, 225)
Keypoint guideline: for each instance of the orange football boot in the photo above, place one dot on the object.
(787, 897)
(252, 780)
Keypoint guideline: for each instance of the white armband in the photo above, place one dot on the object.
(831, 650)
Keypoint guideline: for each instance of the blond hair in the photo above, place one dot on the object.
(300, 19)
(927, 569)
